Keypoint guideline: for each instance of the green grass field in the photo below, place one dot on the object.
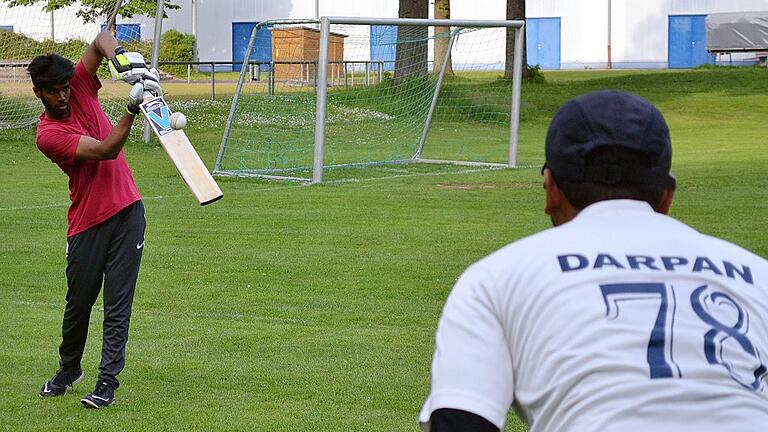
(313, 308)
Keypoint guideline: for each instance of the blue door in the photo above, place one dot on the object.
(687, 41)
(542, 37)
(383, 43)
(262, 48)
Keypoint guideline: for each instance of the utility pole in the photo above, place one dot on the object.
(159, 12)
(610, 61)
(194, 26)
(317, 9)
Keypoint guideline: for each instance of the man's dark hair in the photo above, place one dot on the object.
(49, 70)
(583, 194)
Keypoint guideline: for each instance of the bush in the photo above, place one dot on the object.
(19, 47)
(176, 46)
(535, 74)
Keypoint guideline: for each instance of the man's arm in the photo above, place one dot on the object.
(126, 66)
(89, 148)
(103, 46)
(471, 368)
(453, 420)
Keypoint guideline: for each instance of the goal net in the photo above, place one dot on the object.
(29, 31)
(350, 98)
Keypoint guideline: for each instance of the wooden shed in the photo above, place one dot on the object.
(295, 52)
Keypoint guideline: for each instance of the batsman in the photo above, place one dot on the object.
(105, 220)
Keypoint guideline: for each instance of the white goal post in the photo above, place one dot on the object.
(359, 83)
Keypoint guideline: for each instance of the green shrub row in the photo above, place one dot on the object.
(174, 46)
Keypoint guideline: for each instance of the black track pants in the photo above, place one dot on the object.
(107, 254)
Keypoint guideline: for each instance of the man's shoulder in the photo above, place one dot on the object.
(57, 138)
(523, 252)
(536, 243)
(47, 126)
(666, 246)
(729, 248)
(83, 81)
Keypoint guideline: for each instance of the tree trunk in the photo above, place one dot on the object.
(442, 38)
(515, 11)
(411, 53)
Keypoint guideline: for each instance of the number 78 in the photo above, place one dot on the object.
(658, 350)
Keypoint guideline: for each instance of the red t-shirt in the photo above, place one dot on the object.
(98, 189)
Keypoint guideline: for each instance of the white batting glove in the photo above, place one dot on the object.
(127, 66)
(135, 98)
(151, 81)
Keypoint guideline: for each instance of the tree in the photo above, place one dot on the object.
(411, 52)
(442, 37)
(515, 11)
(92, 10)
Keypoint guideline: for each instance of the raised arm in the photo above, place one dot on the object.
(130, 68)
(103, 46)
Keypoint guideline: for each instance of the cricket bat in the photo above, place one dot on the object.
(180, 151)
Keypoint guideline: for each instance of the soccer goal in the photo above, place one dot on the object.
(352, 96)
(28, 31)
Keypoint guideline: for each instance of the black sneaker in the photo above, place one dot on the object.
(63, 379)
(101, 397)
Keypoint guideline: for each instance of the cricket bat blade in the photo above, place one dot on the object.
(181, 152)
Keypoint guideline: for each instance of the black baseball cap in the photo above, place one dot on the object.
(610, 119)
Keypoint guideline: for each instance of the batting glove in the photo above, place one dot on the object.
(127, 66)
(151, 81)
(135, 98)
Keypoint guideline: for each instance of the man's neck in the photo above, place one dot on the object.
(53, 116)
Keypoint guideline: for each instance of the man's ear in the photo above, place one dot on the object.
(37, 91)
(553, 195)
(666, 201)
(557, 206)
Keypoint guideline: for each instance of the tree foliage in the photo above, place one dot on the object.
(92, 10)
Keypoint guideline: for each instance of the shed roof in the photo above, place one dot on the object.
(737, 31)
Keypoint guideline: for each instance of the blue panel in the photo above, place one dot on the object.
(687, 41)
(126, 32)
(549, 38)
(543, 42)
(532, 41)
(383, 45)
(262, 49)
(699, 31)
(680, 39)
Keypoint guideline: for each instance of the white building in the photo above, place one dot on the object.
(643, 33)
(567, 34)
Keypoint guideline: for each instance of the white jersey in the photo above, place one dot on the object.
(622, 319)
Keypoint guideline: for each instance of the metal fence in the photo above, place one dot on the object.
(343, 73)
(14, 72)
(349, 74)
